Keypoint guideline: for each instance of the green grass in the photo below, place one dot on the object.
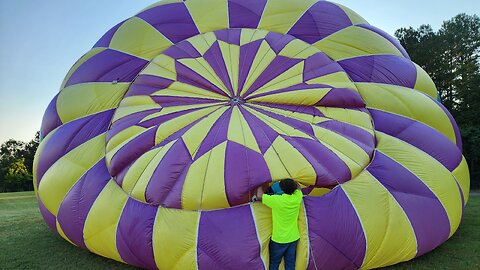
(27, 243)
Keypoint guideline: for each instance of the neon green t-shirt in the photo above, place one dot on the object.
(285, 209)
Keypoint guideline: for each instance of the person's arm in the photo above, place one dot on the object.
(260, 193)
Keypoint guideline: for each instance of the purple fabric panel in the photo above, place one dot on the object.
(245, 170)
(131, 151)
(47, 216)
(264, 135)
(458, 136)
(329, 168)
(319, 65)
(108, 66)
(321, 20)
(419, 135)
(181, 50)
(355, 134)
(245, 13)
(231, 36)
(302, 86)
(385, 35)
(425, 212)
(342, 98)
(172, 20)
(134, 234)
(147, 85)
(105, 40)
(188, 76)
(278, 66)
(247, 55)
(388, 69)
(174, 197)
(167, 173)
(297, 124)
(69, 136)
(50, 120)
(294, 108)
(278, 41)
(216, 135)
(157, 121)
(77, 203)
(226, 234)
(121, 176)
(215, 59)
(128, 121)
(336, 236)
(166, 101)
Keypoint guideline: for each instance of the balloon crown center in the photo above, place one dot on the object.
(236, 101)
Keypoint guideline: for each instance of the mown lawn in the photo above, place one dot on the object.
(27, 243)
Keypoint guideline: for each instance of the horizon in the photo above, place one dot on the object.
(44, 39)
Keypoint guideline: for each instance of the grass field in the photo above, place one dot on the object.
(27, 243)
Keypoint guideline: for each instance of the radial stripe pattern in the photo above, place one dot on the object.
(161, 133)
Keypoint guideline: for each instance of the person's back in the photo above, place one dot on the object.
(285, 211)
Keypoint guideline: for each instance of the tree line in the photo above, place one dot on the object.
(451, 56)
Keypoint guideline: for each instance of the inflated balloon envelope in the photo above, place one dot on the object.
(160, 134)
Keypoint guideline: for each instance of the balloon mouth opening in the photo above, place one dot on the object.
(236, 101)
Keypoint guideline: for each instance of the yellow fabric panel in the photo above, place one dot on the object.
(352, 165)
(203, 43)
(194, 137)
(201, 66)
(462, 175)
(262, 215)
(249, 35)
(231, 56)
(204, 186)
(101, 224)
(352, 117)
(141, 171)
(137, 37)
(161, 3)
(263, 58)
(424, 83)
(343, 145)
(168, 128)
(280, 15)
(119, 140)
(291, 77)
(64, 173)
(431, 172)
(161, 66)
(61, 233)
(179, 89)
(389, 235)
(133, 104)
(95, 97)
(80, 61)
(175, 239)
(307, 97)
(209, 15)
(318, 192)
(408, 103)
(175, 109)
(282, 154)
(298, 49)
(239, 131)
(279, 126)
(352, 15)
(338, 80)
(355, 41)
(303, 248)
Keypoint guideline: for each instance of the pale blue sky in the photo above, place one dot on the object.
(41, 40)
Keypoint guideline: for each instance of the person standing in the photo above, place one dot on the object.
(285, 234)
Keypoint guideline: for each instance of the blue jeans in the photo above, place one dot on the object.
(287, 251)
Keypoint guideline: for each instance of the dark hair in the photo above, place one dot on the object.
(288, 186)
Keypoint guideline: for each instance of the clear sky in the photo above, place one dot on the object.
(41, 40)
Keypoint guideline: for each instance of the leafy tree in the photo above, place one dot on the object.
(452, 58)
